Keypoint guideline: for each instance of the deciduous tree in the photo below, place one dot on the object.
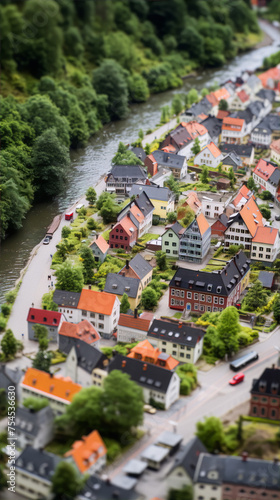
(256, 296)
(196, 146)
(125, 305)
(161, 260)
(69, 277)
(227, 329)
(109, 79)
(211, 434)
(149, 298)
(88, 262)
(66, 483)
(42, 335)
(9, 344)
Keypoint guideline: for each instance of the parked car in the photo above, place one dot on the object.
(271, 205)
(239, 377)
(46, 240)
(149, 409)
(277, 217)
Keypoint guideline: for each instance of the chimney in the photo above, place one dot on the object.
(127, 264)
(244, 456)
(145, 366)
(89, 287)
(135, 312)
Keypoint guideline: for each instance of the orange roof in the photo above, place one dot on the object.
(230, 123)
(251, 216)
(127, 225)
(243, 192)
(146, 352)
(56, 387)
(86, 452)
(222, 114)
(242, 96)
(152, 158)
(213, 149)
(275, 146)
(137, 213)
(271, 74)
(169, 149)
(102, 244)
(202, 116)
(193, 201)
(136, 323)
(194, 129)
(266, 235)
(212, 99)
(264, 170)
(83, 331)
(97, 302)
(222, 93)
(202, 223)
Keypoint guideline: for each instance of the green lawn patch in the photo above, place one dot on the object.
(58, 357)
(106, 234)
(147, 237)
(58, 447)
(177, 315)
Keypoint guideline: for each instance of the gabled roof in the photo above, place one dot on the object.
(87, 451)
(242, 196)
(139, 152)
(221, 93)
(144, 203)
(194, 129)
(169, 149)
(127, 224)
(97, 489)
(203, 106)
(269, 380)
(253, 81)
(177, 333)
(81, 331)
(189, 455)
(8, 376)
(264, 169)
(251, 216)
(138, 323)
(176, 228)
(213, 125)
(212, 148)
(145, 374)
(101, 243)
(244, 114)
(31, 422)
(267, 94)
(88, 359)
(97, 302)
(66, 299)
(136, 212)
(43, 317)
(170, 160)
(231, 159)
(223, 219)
(193, 201)
(140, 266)
(275, 146)
(212, 99)
(243, 96)
(274, 179)
(118, 284)
(202, 223)
(154, 193)
(266, 235)
(180, 136)
(38, 463)
(128, 171)
(242, 150)
(269, 76)
(234, 124)
(57, 387)
(222, 114)
(266, 278)
(148, 353)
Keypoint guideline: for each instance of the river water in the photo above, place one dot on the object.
(89, 163)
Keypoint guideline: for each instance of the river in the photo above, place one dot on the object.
(89, 163)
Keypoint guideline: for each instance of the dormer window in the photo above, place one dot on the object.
(274, 387)
(209, 288)
(55, 321)
(32, 316)
(262, 386)
(219, 289)
(45, 320)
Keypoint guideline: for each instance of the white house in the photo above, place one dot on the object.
(89, 454)
(34, 428)
(275, 151)
(194, 130)
(233, 130)
(81, 362)
(265, 244)
(266, 176)
(210, 155)
(67, 303)
(132, 328)
(240, 100)
(242, 226)
(214, 204)
(101, 309)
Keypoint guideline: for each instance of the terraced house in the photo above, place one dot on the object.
(170, 240)
(195, 241)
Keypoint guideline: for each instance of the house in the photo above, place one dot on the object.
(253, 85)
(202, 291)
(138, 268)
(245, 152)
(149, 354)
(243, 195)
(118, 285)
(193, 202)
(214, 126)
(34, 470)
(102, 309)
(223, 477)
(34, 428)
(89, 454)
(231, 161)
(59, 391)
(267, 176)
(122, 177)
(102, 489)
(265, 395)
(10, 377)
(124, 234)
(195, 240)
(158, 384)
(233, 130)
(139, 152)
(270, 79)
(170, 239)
(219, 227)
(242, 226)
(192, 113)
(50, 319)
(266, 131)
(145, 207)
(162, 199)
(81, 363)
(99, 248)
(67, 304)
(132, 328)
(214, 204)
(182, 341)
(267, 279)
(176, 164)
(183, 136)
(70, 334)
(265, 245)
(275, 151)
(210, 155)
(266, 95)
(240, 100)
(183, 470)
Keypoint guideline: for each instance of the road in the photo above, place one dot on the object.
(215, 397)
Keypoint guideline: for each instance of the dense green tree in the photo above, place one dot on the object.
(48, 303)
(177, 104)
(186, 493)
(3, 403)
(251, 184)
(192, 41)
(161, 260)
(204, 92)
(266, 213)
(79, 132)
(149, 298)
(196, 146)
(171, 217)
(91, 196)
(189, 216)
(69, 277)
(276, 308)
(66, 482)
(109, 211)
(173, 185)
(109, 79)
(223, 105)
(125, 156)
(88, 262)
(165, 114)
(42, 335)
(211, 434)
(228, 328)
(138, 88)
(65, 231)
(256, 296)
(204, 175)
(125, 305)
(42, 361)
(9, 344)
(105, 196)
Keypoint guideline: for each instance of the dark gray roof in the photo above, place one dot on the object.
(176, 227)
(38, 462)
(266, 278)
(268, 124)
(9, 377)
(189, 456)
(232, 159)
(268, 383)
(252, 472)
(245, 114)
(213, 125)
(239, 149)
(256, 107)
(170, 439)
(168, 159)
(96, 489)
(154, 193)
(154, 453)
(174, 332)
(274, 179)
(66, 299)
(30, 422)
(128, 171)
(89, 357)
(144, 203)
(135, 467)
(115, 283)
(223, 219)
(179, 136)
(202, 106)
(145, 374)
(267, 94)
(139, 152)
(140, 266)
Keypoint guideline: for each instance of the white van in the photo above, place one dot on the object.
(78, 207)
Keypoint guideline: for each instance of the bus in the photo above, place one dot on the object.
(244, 360)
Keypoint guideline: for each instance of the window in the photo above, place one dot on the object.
(195, 296)
(84, 313)
(215, 300)
(166, 243)
(101, 316)
(189, 295)
(101, 326)
(174, 353)
(188, 356)
(167, 251)
(172, 291)
(174, 244)
(209, 298)
(221, 301)
(202, 298)
(92, 315)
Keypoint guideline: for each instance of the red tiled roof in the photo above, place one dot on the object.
(243, 96)
(137, 213)
(230, 123)
(169, 149)
(97, 302)
(271, 74)
(59, 387)
(213, 149)
(83, 331)
(212, 99)
(202, 223)
(222, 114)
(137, 323)
(102, 244)
(264, 170)
(266, 235)
(151, 354)
(243, 192)
(275, 146)
(44, 317)
(88, 451)
(251, 216)
(127, 225)
(222, 93)
(194, 129)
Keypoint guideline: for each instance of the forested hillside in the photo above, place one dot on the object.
(69, 66)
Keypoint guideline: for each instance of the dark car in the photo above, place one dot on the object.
(277, 217)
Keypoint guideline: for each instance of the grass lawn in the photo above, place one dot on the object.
(259, 440)
(58, 357)
(177, 315)
(59, 448)
(147, 237)
(106, 234)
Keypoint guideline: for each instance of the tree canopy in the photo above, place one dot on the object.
(69, 277)
(211, 434)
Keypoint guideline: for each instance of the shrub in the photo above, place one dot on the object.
(113, 449)
(6, 309)
(11, 296)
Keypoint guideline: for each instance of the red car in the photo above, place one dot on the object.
(239, 377)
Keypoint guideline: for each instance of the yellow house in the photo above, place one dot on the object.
(161, 197)
(118, 284)
(138, 268)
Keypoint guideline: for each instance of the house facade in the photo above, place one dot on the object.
(71, 333)
(240, 100)
(267, 177)
(195, 241)
(182, 473)
(99, 248)
(210, 155)
(275, 151)
(50, 319)
(34, 428)
(245, 152)
(176, 164)
(265, 395)
(170, 240)
(143, 206)
(162, 199)
(81, 363)
(124, 234)
(67, 303)
(122, 177)
(132, 328)
(214, 204)
(265, 244)
(101, 309)
(233, 130)
(138, 268)
(219, 227)
(242, 226)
